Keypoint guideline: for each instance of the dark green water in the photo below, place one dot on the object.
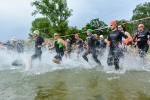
(75, 84)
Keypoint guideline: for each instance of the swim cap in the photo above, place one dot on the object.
(36, 32)
(89, 31)
(101, 36)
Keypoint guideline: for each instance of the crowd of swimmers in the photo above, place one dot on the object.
(118, 41)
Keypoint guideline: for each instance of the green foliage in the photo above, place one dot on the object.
(43, 25)
(56, 14)
(98, 26)
(130, 27)
(142, 11)
(97, 23)
(56, 11)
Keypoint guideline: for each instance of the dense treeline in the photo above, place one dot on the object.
(56, 13)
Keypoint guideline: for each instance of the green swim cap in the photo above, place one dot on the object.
(36, 32)
(89, 31)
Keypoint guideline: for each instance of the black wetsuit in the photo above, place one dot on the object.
(97, 44)
(9, 45)
(69, 47)
(100, 45)
(80, 49)
(20, 47)
(59, 50)
(115, 37)
(38, 51)
(91, 40)
(142, 44)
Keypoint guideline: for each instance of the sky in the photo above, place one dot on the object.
(16, 18)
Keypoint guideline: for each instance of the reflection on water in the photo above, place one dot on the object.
(75, 84)
(58, 92)
(94, 85)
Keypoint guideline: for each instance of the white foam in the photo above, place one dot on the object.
(128, 63)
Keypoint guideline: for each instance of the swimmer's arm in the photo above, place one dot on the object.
(43, 44)
(52, 47)
(148, 38)
(65, 44)
(124, 35)
(148, 35)
(135, 37)
(129, 36)
(108, 41)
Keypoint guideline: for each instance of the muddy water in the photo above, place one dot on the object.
(74, 84)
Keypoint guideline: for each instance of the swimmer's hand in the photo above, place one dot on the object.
(51, 48)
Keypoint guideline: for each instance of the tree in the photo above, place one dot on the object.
(56, 11)
(97, 25)
(71, 32)
(43, 25)
(130, 27)
(142, 11)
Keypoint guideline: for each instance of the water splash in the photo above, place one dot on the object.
(130, 62)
